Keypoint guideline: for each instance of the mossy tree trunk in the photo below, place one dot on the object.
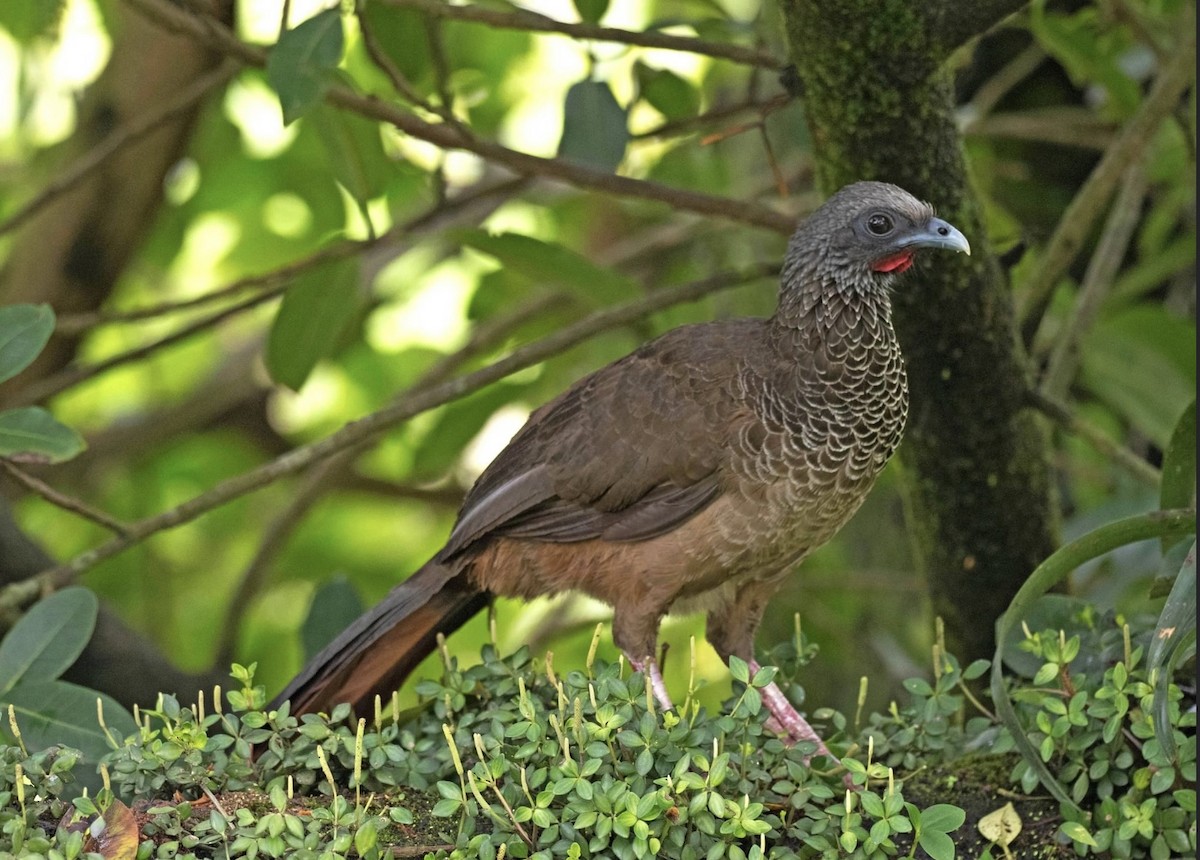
(879, 105)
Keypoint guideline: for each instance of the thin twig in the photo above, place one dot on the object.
(118, 140)
(213, 34)
(1118, 453)
(989, 93)
(1097, 281)
(1087, 205)
(72, 376)
(525, 19)
(721, 113)
(391, 71)
(266, 281)
(62, 500)
(742, 211)
(1078, 128)
(278, 282)
(19, 593)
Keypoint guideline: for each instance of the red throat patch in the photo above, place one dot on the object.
(896, 263)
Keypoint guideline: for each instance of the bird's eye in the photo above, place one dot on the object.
(879, 224)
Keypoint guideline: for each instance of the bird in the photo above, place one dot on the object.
(691, 475)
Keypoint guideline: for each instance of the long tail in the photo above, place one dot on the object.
(377, 652)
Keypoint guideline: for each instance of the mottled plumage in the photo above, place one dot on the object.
(694, 472)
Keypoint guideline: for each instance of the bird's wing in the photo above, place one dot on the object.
(626, 454)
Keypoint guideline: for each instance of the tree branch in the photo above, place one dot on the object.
(955, 23)
(1118, 453)
(62, 500)
(524, 19)
(212, 34)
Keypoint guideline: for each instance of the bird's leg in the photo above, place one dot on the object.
(635, 630)
(731, 628)
(650, 666)
(787, 719)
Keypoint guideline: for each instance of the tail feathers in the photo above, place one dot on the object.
(376, 653)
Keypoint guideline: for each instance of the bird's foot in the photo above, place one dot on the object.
(787, 721)
(649, 666)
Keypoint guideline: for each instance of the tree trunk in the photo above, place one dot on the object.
(879, 105)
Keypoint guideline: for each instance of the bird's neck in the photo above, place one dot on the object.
(836, 314)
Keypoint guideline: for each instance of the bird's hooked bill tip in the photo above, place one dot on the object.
(939, 234)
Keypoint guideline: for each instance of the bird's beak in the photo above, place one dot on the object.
(936, 234)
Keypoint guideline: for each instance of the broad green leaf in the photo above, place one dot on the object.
(591, 10)
(311, 317)
(1179, 463)
(31, 432)
(24, 330)
(55, 712)
(550, 264)
(666, 92)
(334, 605)
(355, 151)
(46, 640)
(937, 844)
(1049, 573)
(1076, 832)
(1174, 640)
(595, 128)
(942, 817)
(299, 66)
(1129, 348)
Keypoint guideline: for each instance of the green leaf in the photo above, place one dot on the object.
(32, 433)
(739, 669)
(55, 712)
(1138, 344)
(1179, 463)
(312, 316)
(937, 844)
(334, 605)
(942, 817)
(1076, 832)
(591, 11)
(1047, 574)
(355, 151)
(46, 640)
(24, 330)
(551, 264)
(1174, 640)
(595, 128)
(667, 92)
(299, 65)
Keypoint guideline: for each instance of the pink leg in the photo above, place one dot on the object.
(650, 666)
(787, 719)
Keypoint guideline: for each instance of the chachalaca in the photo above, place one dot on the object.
(692, 474)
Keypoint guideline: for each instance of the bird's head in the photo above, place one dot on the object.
(865, 235)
